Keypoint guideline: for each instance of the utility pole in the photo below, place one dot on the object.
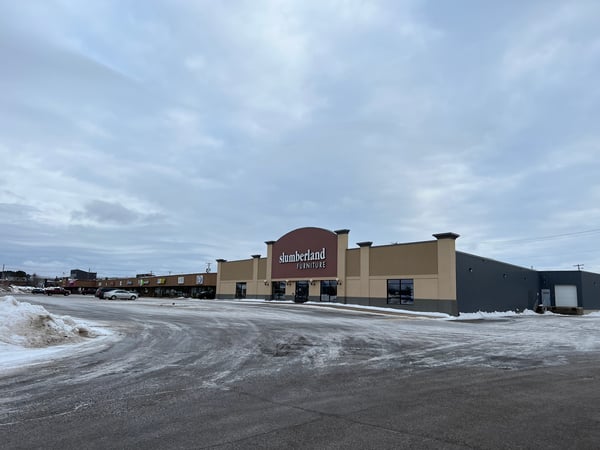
(579, 266)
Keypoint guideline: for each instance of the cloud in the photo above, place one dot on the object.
(106, 212)
(183, 132)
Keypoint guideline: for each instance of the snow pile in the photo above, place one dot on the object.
(32, 326)
(18, 289)
(481, 315)
(3, 291)
(382, 309)
(12, 289)
(351, 306)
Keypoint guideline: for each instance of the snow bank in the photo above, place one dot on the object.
(351, 306)
(16, 289)
(480, 315)
(32, 326)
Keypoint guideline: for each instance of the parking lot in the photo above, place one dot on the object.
(220, 374)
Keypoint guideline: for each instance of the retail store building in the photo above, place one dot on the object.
(316, 264)
(192, 285)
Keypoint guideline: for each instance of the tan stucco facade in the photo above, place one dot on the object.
(361, 274)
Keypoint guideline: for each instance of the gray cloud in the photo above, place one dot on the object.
(106, 212)
(178, 133)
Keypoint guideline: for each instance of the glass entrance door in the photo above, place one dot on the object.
(301, 295)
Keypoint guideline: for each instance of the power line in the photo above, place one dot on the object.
(544, 238)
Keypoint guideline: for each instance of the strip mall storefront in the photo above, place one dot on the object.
(193, 285)
(316, 264)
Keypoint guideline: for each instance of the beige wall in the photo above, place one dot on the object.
(426, 286)
(353, 286)
(253, 272)
(353, 262)
(446, 250)
(431, 264)
(262, 269)
(236, 270)
(342, 248)
(418, 258)
(363, 272)
(226, 288)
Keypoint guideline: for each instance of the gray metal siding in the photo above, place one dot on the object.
(483, 284)
(590, 290)
(549, 279)
(588, 286)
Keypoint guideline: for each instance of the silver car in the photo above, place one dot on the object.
(120, 294)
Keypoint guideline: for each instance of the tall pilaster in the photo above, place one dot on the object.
(255, 259)
(365, 268)
(269, 260)
(219, 272)
(342, 247)
(446, 255)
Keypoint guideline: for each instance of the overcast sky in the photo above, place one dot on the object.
(140, 136)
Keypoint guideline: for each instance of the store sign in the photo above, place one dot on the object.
(305, 253)
(306, 260)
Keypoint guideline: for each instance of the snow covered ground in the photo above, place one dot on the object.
(29, 333)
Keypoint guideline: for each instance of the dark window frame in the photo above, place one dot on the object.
(278, 290)
(302, 290)
(241, 289)
(401, 291)
(328, 291)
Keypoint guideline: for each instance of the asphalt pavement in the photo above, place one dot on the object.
(226, 375)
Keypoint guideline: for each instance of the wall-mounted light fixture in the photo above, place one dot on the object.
(312, 282)
(339, 282)
(266, 282)
(288, 282)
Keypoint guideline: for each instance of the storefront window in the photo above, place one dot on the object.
(278, 290)
(328, 290)
(400, 292)
(203, 292)
(240, 290)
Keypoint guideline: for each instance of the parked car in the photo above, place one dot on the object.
(120, 294)
(38, 291)
(206, 293)
(56, 290)
(100, 291)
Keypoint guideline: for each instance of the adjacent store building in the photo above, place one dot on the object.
(316, 264)
(193, 285)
